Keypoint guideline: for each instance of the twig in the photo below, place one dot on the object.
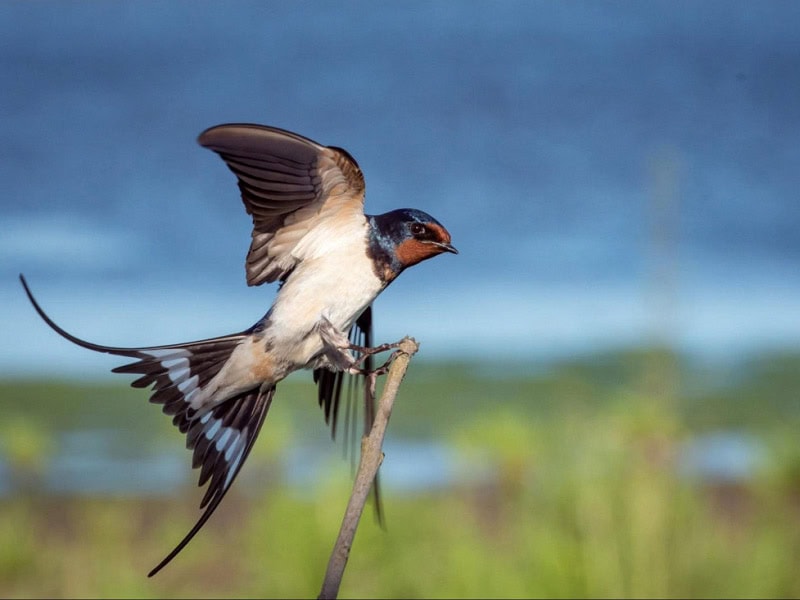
(371, 459)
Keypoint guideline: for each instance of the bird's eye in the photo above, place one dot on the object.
(417, 229)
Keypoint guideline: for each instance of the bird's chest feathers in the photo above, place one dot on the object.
(337, 288)
(337, 285)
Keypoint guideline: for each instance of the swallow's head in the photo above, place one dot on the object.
(419, 236)
(405, 237)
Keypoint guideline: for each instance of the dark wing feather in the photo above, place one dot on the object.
(176, 372)
(222, 439)
(220, 436)
(286, 181)
(330, 386)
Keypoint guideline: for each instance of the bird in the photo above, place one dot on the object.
(330, 259)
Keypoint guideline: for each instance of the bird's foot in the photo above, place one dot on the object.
(339, 350)
(365, 352)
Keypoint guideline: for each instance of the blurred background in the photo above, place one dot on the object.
(605, 402)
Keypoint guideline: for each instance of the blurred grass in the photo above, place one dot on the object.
(583, 498)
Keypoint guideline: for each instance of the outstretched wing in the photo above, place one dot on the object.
(289, 185)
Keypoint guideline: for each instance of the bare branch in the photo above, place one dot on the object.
(371, 459)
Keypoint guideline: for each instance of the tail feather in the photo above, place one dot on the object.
(220, 433)
(176, 372)
(224, 450)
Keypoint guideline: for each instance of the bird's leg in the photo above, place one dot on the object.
(366, 352)
(338, 347)
(384, 368)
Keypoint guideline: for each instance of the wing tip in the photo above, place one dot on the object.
(230, 135)
(211, 136)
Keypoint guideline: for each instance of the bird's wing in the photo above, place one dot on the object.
(289, 185)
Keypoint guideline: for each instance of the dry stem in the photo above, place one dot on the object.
(371, 459)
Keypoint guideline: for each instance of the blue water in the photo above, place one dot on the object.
(611, 172)
(98, 462)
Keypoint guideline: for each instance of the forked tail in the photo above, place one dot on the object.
(220, 434)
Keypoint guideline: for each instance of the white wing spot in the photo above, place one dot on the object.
(189, 384)
(212, 431)
(188, 399)
(168, 363)
(223, 439)
(177, 375)
(167, 352)
(234, 465)
(234, 446)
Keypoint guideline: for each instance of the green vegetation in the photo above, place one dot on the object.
(572, 488)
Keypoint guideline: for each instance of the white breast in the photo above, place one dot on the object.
(335, 280)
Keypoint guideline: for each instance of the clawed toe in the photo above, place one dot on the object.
(366, 352)
(382, 370)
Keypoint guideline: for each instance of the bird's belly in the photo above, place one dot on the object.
(339, 295)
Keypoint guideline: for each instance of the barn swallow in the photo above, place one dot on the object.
(310, 234)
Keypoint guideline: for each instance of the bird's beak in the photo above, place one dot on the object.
(446, 247)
